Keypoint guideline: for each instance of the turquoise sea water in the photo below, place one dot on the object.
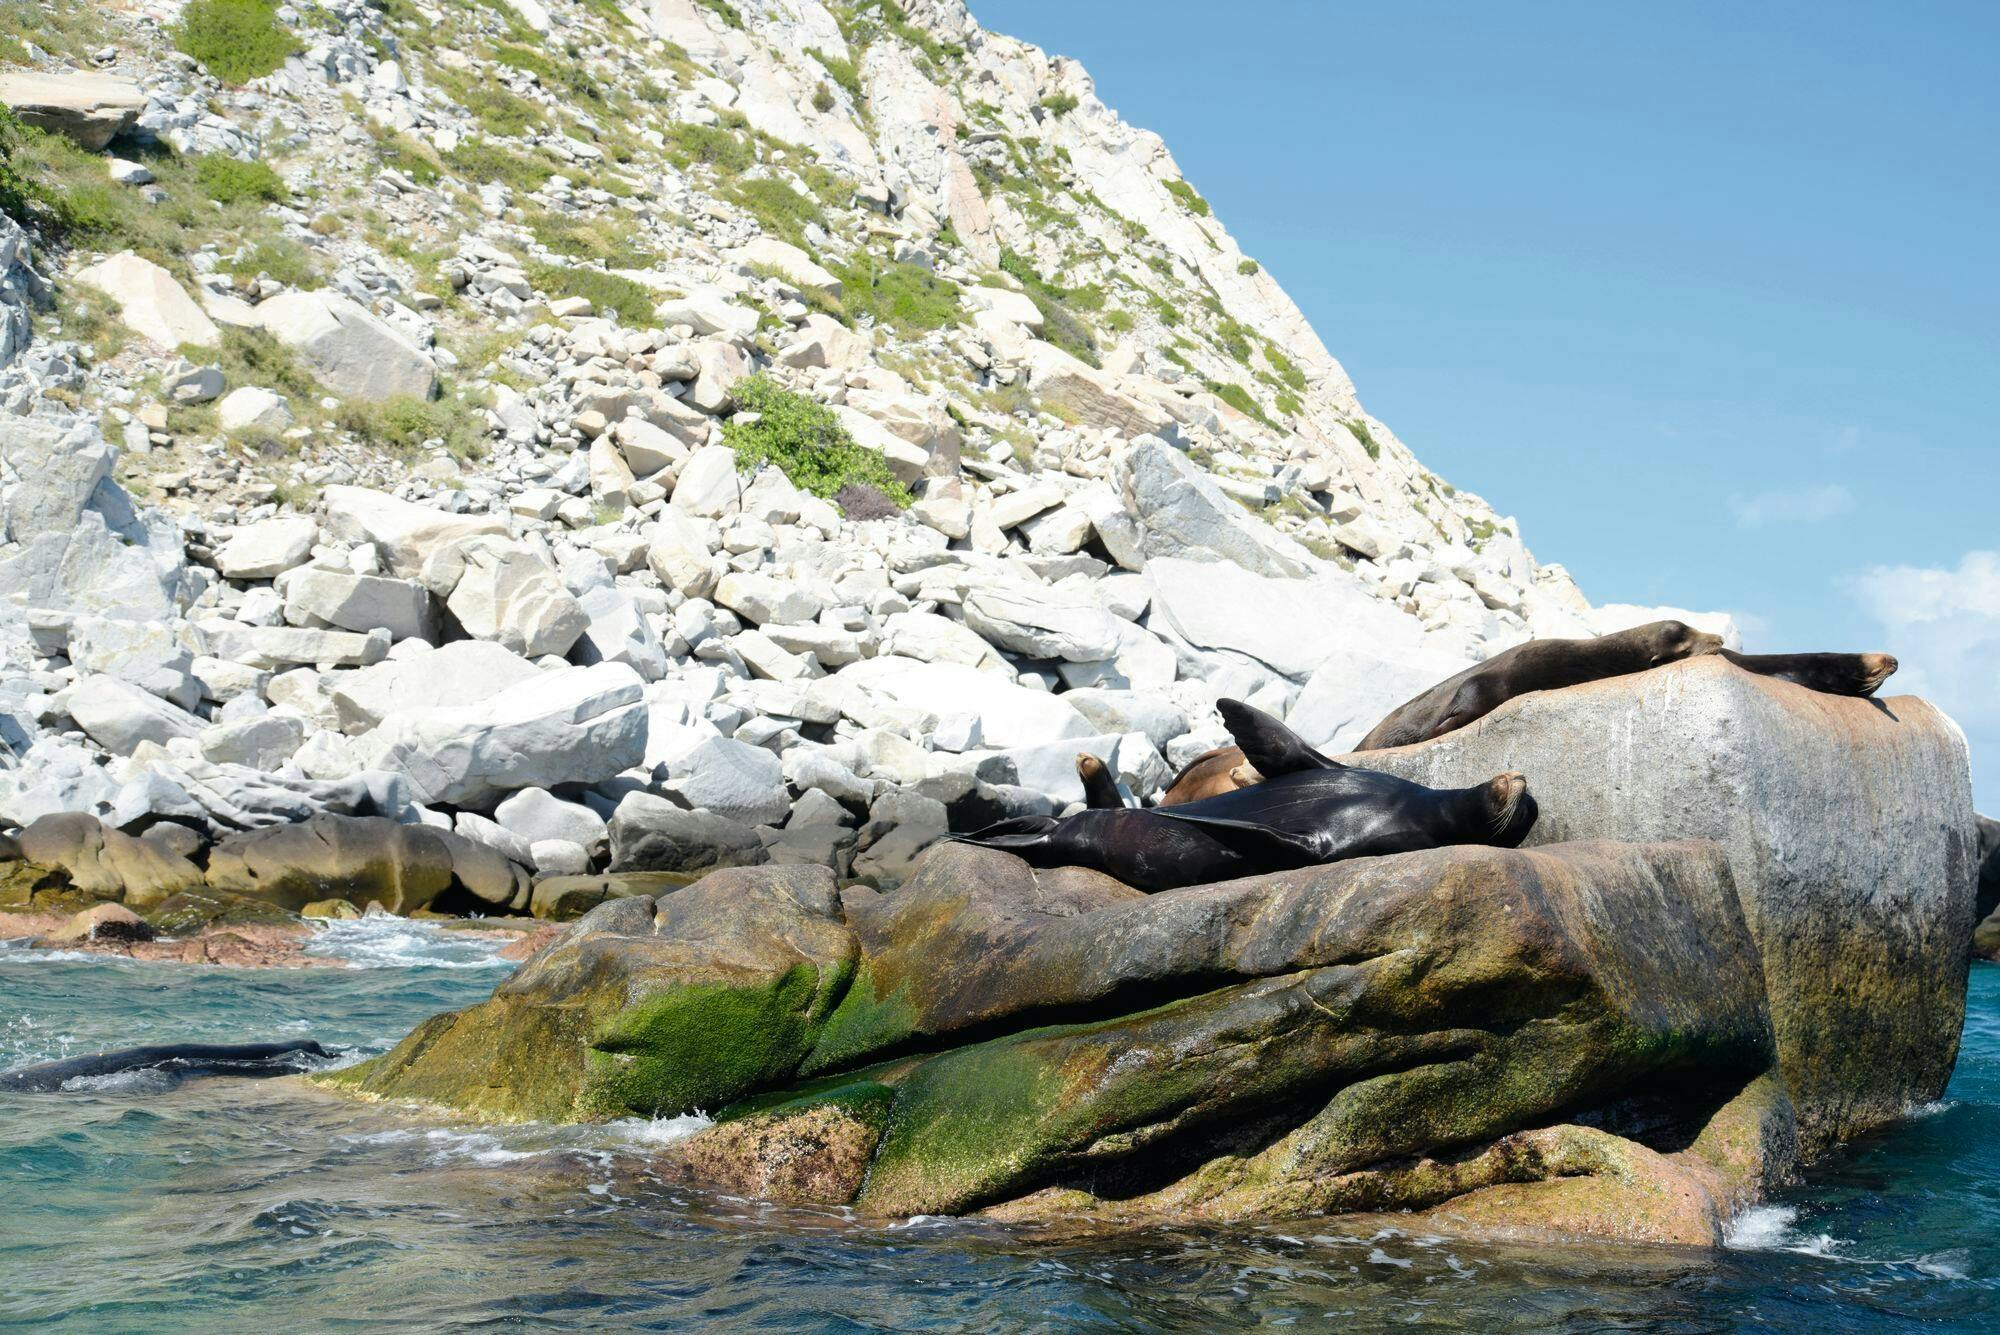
(259, 1205)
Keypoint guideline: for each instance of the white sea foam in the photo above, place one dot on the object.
(384, 941)
(1774, 1228)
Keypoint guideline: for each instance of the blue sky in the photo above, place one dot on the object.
(1707, 295)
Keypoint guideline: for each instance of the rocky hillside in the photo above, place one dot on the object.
(643, 437)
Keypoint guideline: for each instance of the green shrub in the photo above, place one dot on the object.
(481, 163)
(907, 296)
(1288, 371)
(823, 100)
(805, 440)
(21, 196)
(778, 208)
(405, 423)
(498, 111)
(280, 259)
(632, 302)
(1240, 399)
(566, 75)
(723, 10)
(235, 40)
(227, 181)
(841, 71)
(1248, 268)
(1059, 104)
(709, 145)
(1359, 430)
(1061, 324)
(1185, 193)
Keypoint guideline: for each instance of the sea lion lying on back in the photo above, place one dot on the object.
(1547, 665)
(1309, 810)
(175, 1060)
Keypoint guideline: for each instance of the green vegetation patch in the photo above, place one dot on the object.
(841, 71)
(711, 146)
(228, 181)
(405, 423)
(805, 440)
(1241, 400)
(702, 1047)
(1059, 105)
(1061, 323)
(566, 75)
(723, 10)
(778, 208)
(1248, 268)
(1188, 197)
(1359, 430)
(483, 163)
(235, 40)
(632, 302)
(908, 297)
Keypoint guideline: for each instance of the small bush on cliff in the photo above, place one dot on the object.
(805, 440)
(908, 296)
(235, 40)
(227, 181)
(1187, 195)
(1359, 430)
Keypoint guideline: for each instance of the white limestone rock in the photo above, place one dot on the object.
(574, 725)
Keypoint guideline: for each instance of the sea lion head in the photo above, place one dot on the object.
(1671, 641)
(1507, 810)
(1876, 669)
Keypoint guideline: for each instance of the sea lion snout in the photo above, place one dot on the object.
(1705, 643)
(1511, 811)
(1879, 667)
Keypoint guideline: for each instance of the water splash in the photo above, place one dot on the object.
(384, 941)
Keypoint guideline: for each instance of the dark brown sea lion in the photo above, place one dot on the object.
(1309, 810)
(1537, 665)
(1830, 674)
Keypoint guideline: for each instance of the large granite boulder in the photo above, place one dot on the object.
(350, 350)
(150, 303)
(102, 862)
(364, 860)
(572, 725)
(1580, 1029)
(92, 109)
(1849, 826)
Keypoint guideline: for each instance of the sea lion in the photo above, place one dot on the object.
(1537, 665)
(1544, 665)
(1210, 774)
(173, 1059)
(1308, 811)
(1829, 674)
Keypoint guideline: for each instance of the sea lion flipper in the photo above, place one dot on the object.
(1261, 844)
(1100, 790)
(1015, 834)
(1268, 744)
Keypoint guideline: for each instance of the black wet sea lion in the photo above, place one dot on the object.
(1309, 810)
(172, 1059)
(1537, 665)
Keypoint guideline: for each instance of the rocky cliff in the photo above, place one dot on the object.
(640, 438)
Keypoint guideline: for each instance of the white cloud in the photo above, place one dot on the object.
(1797, 505)
(1944, 626)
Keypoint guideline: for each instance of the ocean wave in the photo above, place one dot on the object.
(1774, 1228)
(384, 941)
(493, 1145)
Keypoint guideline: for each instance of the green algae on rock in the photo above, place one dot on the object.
(1354, 1037)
